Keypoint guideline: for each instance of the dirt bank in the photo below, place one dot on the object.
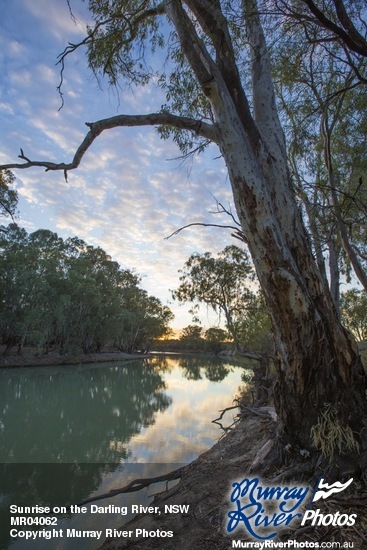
(28, 359)
(205, 486)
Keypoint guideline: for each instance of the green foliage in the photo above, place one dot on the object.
(143, 320)
(8, 196)
(185, 97)
(254, 328)
(221, 282)
(316, 75)
(71, 296)
(215, 339)
(323, 101)
(353, 309)
(118, 40)
(122, 45)
(191, 338)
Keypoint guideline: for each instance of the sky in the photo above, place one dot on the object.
(129, 193)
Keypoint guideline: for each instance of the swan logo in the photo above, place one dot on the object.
(324, 490)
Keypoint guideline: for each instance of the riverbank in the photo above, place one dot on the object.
(205, 486)
(28, 358)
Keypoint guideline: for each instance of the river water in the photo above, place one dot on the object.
(67, 433)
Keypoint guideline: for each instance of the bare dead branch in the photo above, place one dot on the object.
(238, 233)
(203, 129)
(222, 210)
(70, 48)
(217, 420)
(71, 12)
(133, 486)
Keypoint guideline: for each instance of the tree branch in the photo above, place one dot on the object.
(129, 26)
(358, 46)
(217, 420)
(133, 486)
(203, 129)
(348, 25)
(237, 233)
(70, 48)
(215, 26)
(265, 114)
(195, 51)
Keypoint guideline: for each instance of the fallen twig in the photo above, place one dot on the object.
(216, 421)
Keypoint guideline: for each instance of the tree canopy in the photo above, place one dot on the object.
(72, 297)
(214, 66)
(354, 312)
(323, 105)
(8, 196)
(225, 283)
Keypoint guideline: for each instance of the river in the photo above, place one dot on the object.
(69, 432)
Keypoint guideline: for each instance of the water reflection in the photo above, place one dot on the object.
(76, 414)
(89, 425)
(197, 367)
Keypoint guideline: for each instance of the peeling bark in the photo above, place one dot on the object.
(318, 365)
(317, 362)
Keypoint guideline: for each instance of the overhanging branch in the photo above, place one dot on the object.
(236, 232)
(200, 128)
(351, 37)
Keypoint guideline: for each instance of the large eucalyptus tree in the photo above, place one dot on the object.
(322, 91)
(217, 77)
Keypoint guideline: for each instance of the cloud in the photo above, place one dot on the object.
(126, 196)
(192, 412)
(21, 78)
(6, 108)
(57, 19)
(16, 48)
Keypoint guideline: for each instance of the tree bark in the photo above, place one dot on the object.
(319, 394)
(319, 369)
(334, 271)
(356, 264)
(318, 363)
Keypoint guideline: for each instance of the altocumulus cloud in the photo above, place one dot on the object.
(126, 196)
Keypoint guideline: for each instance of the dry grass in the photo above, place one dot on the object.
(329, 436)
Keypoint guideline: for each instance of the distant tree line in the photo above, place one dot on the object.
(195, 338)
(71, 297)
